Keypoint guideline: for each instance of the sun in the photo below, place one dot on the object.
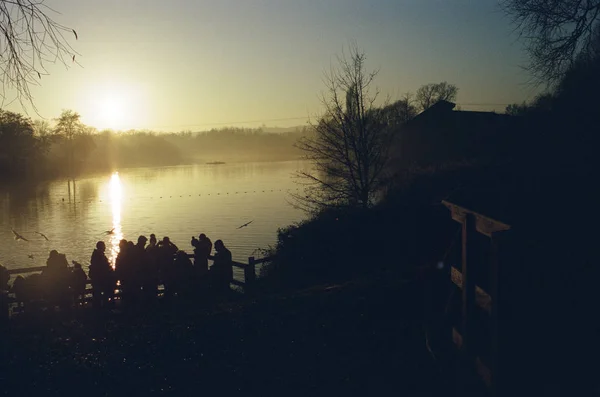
(114, 106)
(112, 113)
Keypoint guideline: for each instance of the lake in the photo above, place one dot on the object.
(179, 202)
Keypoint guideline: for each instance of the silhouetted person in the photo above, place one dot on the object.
(202, 250)
(166, 254)
(4, 278)
(56, 279)
(78, 282)
(102, 276)
(30, 289)
(140, 259)
(125, 269)
(150, 270)
(19, 289)
(182, 273)
(221, 272)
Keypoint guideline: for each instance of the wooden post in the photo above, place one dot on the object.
(249, 274)
(468, 290)
(494, 276)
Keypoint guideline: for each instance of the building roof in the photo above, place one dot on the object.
(443, 113)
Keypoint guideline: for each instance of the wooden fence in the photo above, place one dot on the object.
(248, 284)
(476, 328)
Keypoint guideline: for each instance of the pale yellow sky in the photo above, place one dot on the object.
(194, 65)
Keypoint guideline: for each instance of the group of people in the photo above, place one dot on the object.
(138, 271)
(57, 283)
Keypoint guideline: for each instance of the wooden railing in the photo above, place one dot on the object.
(248, 284)
(468, 334)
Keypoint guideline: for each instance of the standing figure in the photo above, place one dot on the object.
(166, 255)
(78, 282)
(55, 279)
(150, 278)
(202, 250)
(102, 276)
(221, 272)
(182, 274)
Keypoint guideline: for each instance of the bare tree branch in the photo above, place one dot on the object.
(556, 32)
(29, 39)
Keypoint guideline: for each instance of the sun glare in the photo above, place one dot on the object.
(113, 106)
(115, 193)
(112, 113)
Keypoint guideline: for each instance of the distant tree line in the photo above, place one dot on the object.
(68, 148)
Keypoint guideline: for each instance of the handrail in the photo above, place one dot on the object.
(248, 284)
(26, 270)
(241, 265)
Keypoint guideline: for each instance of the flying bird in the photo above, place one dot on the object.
(43, 235)
(30, 256)
(246, 224)
(18, 236)
(111, 231)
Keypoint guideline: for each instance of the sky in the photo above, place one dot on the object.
(197, 64)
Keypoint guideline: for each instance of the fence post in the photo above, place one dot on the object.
(468, 287)
(250, 274)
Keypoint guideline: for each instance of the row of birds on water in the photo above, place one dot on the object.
(20, 237)
(193, 195)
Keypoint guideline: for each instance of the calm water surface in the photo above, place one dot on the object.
(178, 202)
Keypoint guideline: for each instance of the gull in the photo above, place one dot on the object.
(30, 256)
(246, 224)
(43, 235)
(18, 236)
(111, 231)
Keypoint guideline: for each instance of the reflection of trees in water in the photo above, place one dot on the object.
(24, 200)
(87, 191)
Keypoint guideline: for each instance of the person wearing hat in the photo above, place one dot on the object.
(222, 269)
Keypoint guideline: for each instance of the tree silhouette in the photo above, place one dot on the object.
(70, 128)
(349, 148)
(19, 150)
(399, 112)
(556, 31)
(29, 39)
(429, 94)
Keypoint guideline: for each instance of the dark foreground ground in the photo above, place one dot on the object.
(334, 340)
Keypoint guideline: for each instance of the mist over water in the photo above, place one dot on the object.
(179, 202)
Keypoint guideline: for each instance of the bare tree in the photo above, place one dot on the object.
(29, 39)
(69, 127)
(349, 148)
(429, 94)
(556, 31)
(400, 112)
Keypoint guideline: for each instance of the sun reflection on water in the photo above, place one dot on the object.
(116, 196)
